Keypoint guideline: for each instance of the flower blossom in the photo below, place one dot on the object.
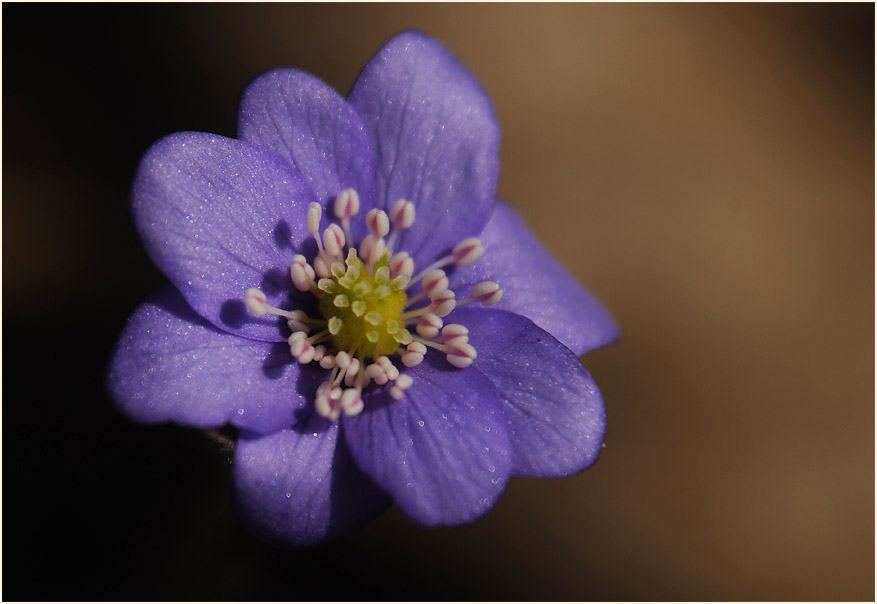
(347, 292)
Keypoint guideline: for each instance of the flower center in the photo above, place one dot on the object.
(365, 309)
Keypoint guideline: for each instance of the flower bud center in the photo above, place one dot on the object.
(363, 307)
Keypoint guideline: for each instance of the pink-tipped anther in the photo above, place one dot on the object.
(403, 383)
(346, 204)
(434, 282)
(334, 240)
(328, 401)
(302, 273)
(487, 292)
(343, 360)
(443, 302)
(296, 321)
(351, 402)
(256, 302)
(388, 366)
(382, 371)
(350, 374)
(429, 324)
(302, 350)
(467, 251)
(377, 222)
(454, 332)
(402, 214)
(401, 264)
(371, 249)
(414, 354)
(460, 354)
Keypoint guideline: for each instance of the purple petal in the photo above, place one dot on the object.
(219, 216)
(300, 486)
(555, 412)
(306, 122)
(436, 139)
(172, 365)
(536, 285)
(441, 452)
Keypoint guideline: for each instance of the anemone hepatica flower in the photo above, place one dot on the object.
(348, 294)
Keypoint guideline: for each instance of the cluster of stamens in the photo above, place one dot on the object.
(366, 316)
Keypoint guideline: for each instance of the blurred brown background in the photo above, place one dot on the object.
(707, 170)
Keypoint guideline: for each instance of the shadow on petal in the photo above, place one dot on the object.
(309, 422)
(276, 361)
(234, 314)
(275, 282)
(352, 493)
(283, 235)
(171, 301)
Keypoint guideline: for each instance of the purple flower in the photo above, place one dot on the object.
(330, 301)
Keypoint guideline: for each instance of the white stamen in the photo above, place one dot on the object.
(402, 264)
(371, 249)
(322, 266)
(434, 282)
(402, 217)
(460, 354)
(297, 335)
(346, 204)
(486, 292)
(334, 240)
(256, 302)
(454, 332)
(351, 402)
(377, 222)
(428, 326)
(403, 382)
(414, 355)
(464, 253)
(377, 373)
(467, 251)
(382, 371)
(351, 373)
(402, 214)
(327, 401)
(298, 322)
(443, 302)
(315, 211)
(343, 360)
(302, 273)
(301, 349)
(388, 366)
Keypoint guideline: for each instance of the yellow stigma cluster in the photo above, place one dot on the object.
(364, 307)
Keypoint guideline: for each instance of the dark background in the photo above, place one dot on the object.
(707, 170)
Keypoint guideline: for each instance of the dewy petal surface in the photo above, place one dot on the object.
(442, 451)
(555, 412)
(436, 138)
(536, 285)
(303, 120)
(172, 365)
(219, 216)
(300, 486)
